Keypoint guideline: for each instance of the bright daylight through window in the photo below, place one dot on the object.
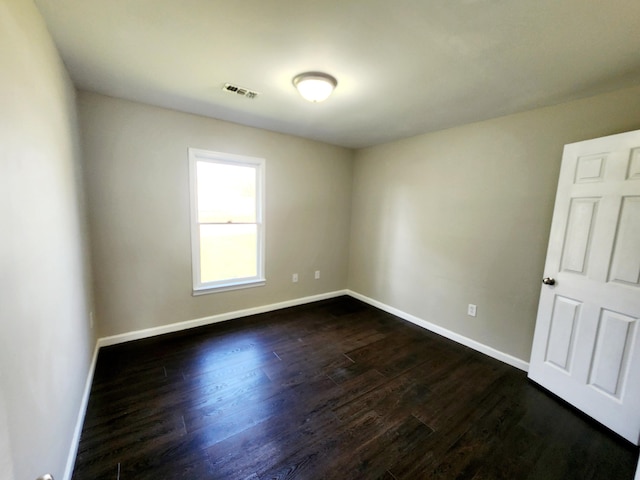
(227, 228)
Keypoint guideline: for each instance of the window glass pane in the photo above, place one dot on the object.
(228, 251)
(226, 193)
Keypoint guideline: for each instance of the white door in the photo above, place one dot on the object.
(586, 347)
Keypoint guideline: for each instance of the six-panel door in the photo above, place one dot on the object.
(586, 345)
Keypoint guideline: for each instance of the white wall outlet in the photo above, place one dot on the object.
(317, 275)
(294, 278)
(471, 310)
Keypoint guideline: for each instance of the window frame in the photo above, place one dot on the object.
(259, 164)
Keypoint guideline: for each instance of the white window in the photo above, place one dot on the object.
(227, 227)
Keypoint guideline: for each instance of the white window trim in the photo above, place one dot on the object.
(259, 164)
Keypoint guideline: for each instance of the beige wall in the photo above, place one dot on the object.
(45, 340)
(138, 202)
(463, 215)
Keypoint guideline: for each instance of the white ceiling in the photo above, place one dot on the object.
(404, 67)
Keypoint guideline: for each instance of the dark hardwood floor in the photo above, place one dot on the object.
(331, 390)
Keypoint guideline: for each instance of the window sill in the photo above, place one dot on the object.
(228, 287)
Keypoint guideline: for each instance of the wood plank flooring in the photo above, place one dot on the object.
(330, 390)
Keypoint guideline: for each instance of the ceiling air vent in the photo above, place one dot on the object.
(245, 92)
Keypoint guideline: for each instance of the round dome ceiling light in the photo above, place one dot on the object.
(315, 86)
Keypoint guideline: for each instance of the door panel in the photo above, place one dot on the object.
(626, 257)
(586, 345)
(634, 165)
(575, 254)
(611, 356)
(563, 332)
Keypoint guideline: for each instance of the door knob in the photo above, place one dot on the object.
(549, 281)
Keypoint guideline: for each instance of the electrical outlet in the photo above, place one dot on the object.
(294, 278)
(317, 274)
(471, 310)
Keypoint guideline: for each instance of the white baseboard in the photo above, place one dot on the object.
(222, 317)
(75, 441)
(490, 351)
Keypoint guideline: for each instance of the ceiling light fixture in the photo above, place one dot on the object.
(315, 86)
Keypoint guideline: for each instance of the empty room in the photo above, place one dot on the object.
(352, 239)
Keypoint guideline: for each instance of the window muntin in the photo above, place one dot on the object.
(227, 197)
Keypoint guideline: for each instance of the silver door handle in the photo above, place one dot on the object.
(549, 281)
(46, 476)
